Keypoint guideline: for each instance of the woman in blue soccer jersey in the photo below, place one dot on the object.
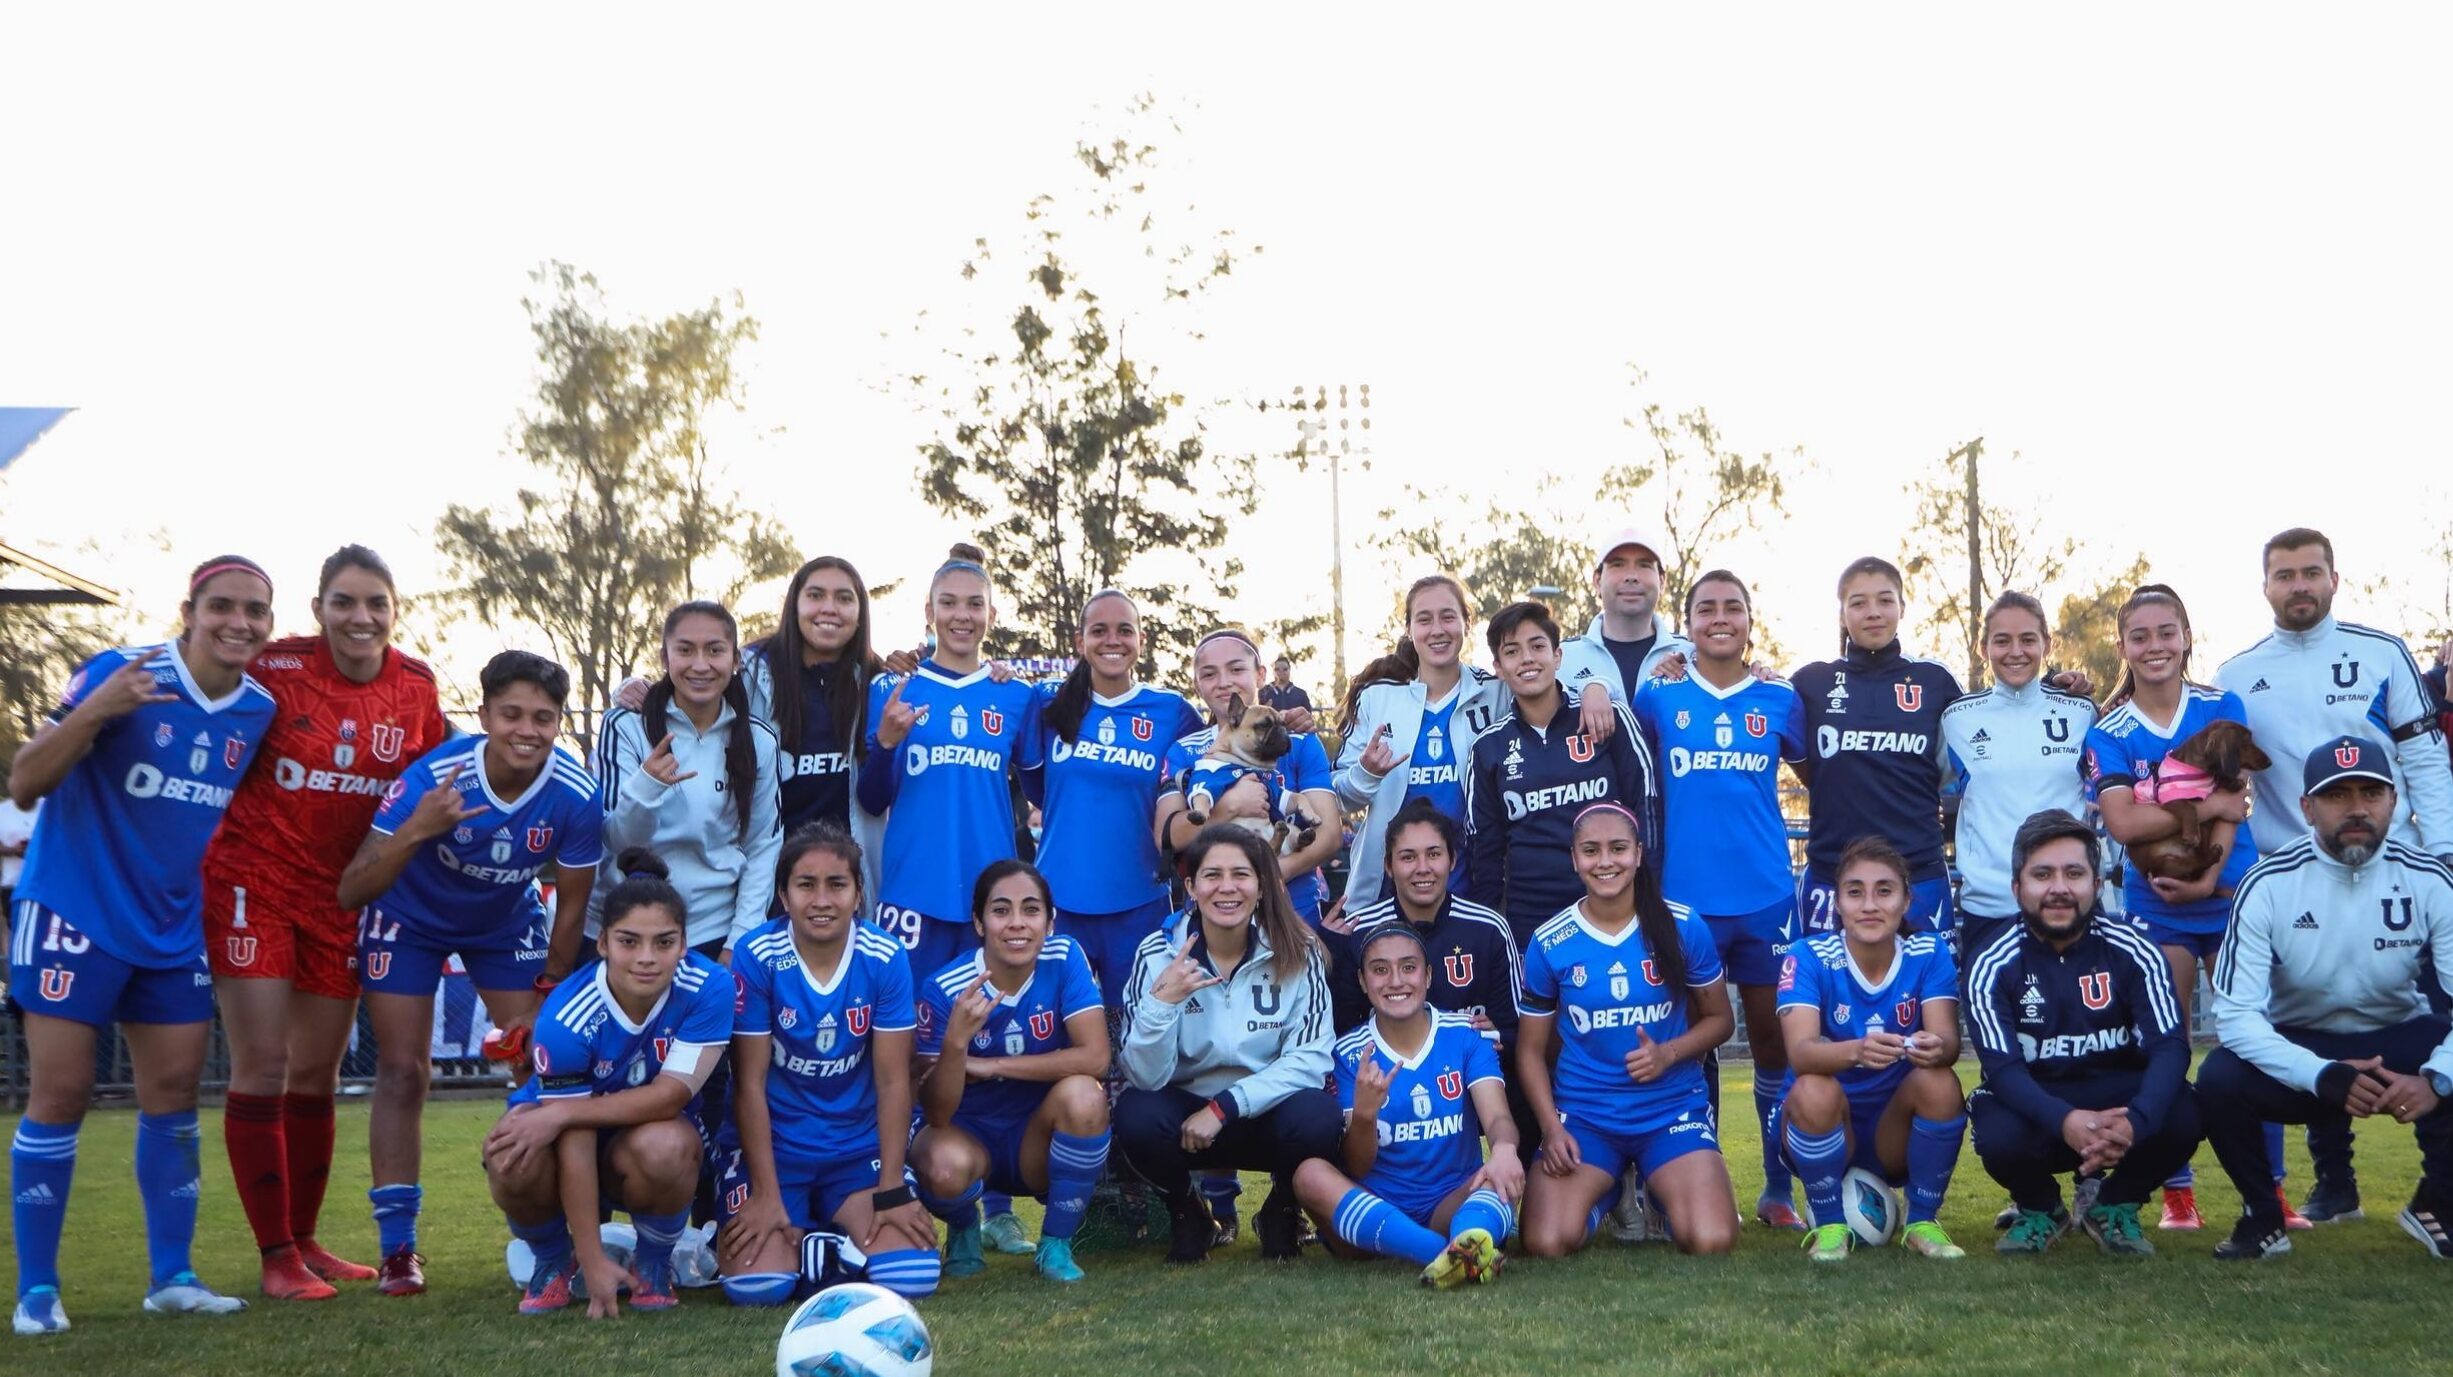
(1012, 1048)
(692, 775)
(1720, 735)
(134, 769)
(451, 867)
(1227, 666)
(612, 1115)
(2155, 708)
(943, 744)
(1627, 990)
(1419, 1089)
(822, 1087)
(1872, 1019)
(1106, 738)
(1410, 720)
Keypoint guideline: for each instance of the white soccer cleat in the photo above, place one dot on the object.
(39, 1312)
(185, 1295)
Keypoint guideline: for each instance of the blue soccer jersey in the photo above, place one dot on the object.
(1726, 847)
(1098, 792)
(1430, 1136)
(585, 1045)
(1602, 989)
(1304, 767)
(480, 880)
(2126, 748)
(1026, 1023)
(821, 1090)
(947, 786)
(119, 848)
(1818, 975)
(1435, 771)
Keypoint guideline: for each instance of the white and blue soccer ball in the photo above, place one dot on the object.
(855, 1330)
(1870, 1208)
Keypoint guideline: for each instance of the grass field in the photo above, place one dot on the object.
(2356, 1298)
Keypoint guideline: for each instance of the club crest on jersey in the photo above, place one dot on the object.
(1043, 1025)
(1722, 732)
(1757, 724)
(461, 834)
(2056, 729)
(1452, 1084)
(826, 1034)
(2095, 989)
(1905, 1012)
(1910, 696)
(202, 752)
(162, 733)
(233, 751)
(959, 723)
(1143, 728)
(57, 983)
(1422, 1100)
(992, 721)
(1575, 975)
(1580, 749)
(664, 1048)
(1015, 1043)
(1619, 983)
(242, 950)
(1839, 1013)
(1435, 744)
(789, 1018)
(638, 1071)
(1685, 718)
(540, 837)
(856, 1018)
(1652, 975)
(501, 849)
(379, 965)
(1460, 968)
(1107, 731)
(2346, 674)
(981, 1040)
(386, 740)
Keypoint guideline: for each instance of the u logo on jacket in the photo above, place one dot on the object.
(1460, 968)
(2095, 989)
(1580, 749)
(1265, 998)
(1910, 696)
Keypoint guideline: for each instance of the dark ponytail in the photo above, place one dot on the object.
(847, 686)
(645, 884)
(1072, 702)
(740, 743)
(1652, 916)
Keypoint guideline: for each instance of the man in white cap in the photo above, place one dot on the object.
(1621, 647)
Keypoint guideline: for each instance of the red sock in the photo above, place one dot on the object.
(251, 1130)
(308, 1120)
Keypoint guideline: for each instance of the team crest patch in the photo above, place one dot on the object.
(857, 1019)
(540, 837)
(1575, 975)
(789, 1018)
(1144, 729)
(1618, 981)
(1839, 1013)
(1652, 975)
(386, 741)
(1788, 974)
(1757, 724)
(1452, 1084)
(57, 983)
(959, 723)
(379, 965)
(1460, 968)
(461, 834)
(1685, 718)
(242, 950)
(162, 733)
(1580, 749)
(1043, 1024)
(2095, 989)
(992, 721)
(1910, 696)
(981, 1042)
(233, 751)
(1905, 1012)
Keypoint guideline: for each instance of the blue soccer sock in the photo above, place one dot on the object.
(2274, 1150)
(1075, 1164)
(1775, 1167)
(1372, 1224)
(1483, 1210)
(549, 1242)
(42, 1161)
(2182, 1180)
(170, 1180)
(761, 1288)
(1933, 1154)
(996, 1202)
(908, 1272)
(1221, 1191)
(396, 1216)
(957, 1211)
(1821, 1160)
(657, 1235)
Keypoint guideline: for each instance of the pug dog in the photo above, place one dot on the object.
(1251, 740)
(2217, 757)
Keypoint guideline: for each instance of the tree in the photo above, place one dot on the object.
(1523, 544)
(1081, 469)
(630, 514)
(2085, 633)
(40, 647)
(2010, 551)
(1708, 493)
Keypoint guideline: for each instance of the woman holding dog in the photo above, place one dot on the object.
(2154, 709)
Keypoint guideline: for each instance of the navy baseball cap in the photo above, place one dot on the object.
(2346, 757)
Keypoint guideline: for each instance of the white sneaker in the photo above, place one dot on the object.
(39, 1312)
(185, 1295)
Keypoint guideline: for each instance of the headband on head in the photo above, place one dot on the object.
(1231, 634)
(224, 566)
(1365, 939)
(966, 565)
(1607, 806)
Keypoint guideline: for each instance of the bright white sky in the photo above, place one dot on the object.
(2190, 261)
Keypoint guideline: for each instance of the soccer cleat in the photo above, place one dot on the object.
(1280, 1225)
(323, 1263)
(2252, 1242)
(403, 1274)
(1004, 1233)
(2419, 1219)
(2180, 1210)
(1778, 1213)
(39, 1312)
(2115, 1231)
(2083, 1192)
(1054, 1260)
(962, 1251)
(1225, 1233)
(1828, 1243)
(2008, 1216)
(1631, 1217)
(1471, 1257)
(2331, 1202)
(2292, 1219)
(184, 1295)
(549, 1288)
(1193, 1229)
(287, 1277)
(651, 1286)
(2033, 1231)
(1926, 1239)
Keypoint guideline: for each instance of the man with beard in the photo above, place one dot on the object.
(2085, 1063)
(2317, 996)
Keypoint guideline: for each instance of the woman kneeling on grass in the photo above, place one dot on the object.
(1410, 1181)
(1872, 1022)
(612, 1114)
(1637, 982)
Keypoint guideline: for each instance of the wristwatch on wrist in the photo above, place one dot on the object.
(2441, 1083)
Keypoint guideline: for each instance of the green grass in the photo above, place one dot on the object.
(2356, 1298)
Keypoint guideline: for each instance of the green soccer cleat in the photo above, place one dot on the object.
(1828, 1243)
(1926, 1239)
(1472, 1256)
(2033, 1231)
(2115, 1230)
(1005, 1234)
(962, 1251)
(1055, 1260)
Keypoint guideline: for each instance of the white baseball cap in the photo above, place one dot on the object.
(1631, 535)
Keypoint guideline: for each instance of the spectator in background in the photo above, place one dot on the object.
(1282, 692)
(16, 829)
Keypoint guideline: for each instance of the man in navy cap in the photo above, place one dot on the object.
(2316, 996)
